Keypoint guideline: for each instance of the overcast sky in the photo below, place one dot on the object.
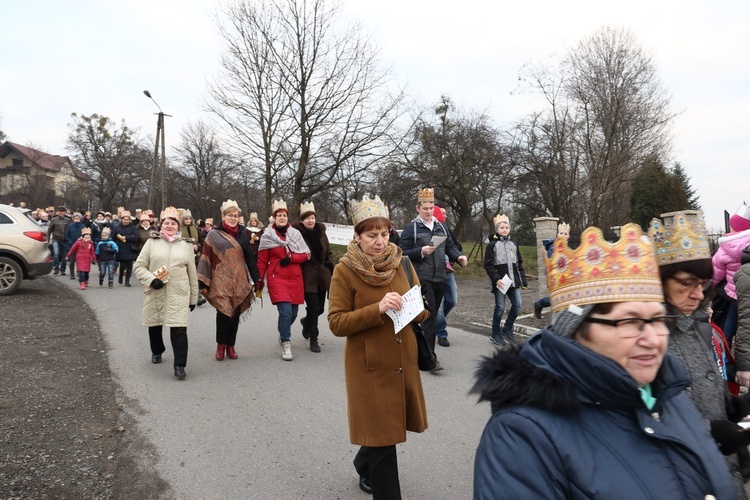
(98, 56)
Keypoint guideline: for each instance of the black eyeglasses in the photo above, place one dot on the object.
(692, 283)
(633, 327)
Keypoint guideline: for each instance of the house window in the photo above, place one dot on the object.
(18, 162)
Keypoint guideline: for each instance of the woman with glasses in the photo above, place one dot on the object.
(685, 268)
(223, 276)
(594, 406)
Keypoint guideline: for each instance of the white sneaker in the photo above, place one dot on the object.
(286, 351)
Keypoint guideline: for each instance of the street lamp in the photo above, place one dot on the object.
(159, 139)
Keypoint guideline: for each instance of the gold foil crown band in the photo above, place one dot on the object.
(598, 271)
(367, 208)
(683, 240)
(426, 195)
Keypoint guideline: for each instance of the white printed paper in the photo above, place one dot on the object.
(436, 241)
(504, 284)
(411, 305)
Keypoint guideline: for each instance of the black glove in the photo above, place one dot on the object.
(192, 307)
(157, 283)
(738, 407)
(729, 436)
(285, 261)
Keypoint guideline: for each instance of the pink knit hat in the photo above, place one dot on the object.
(741, 220)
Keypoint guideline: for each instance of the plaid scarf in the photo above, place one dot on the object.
(375, 270)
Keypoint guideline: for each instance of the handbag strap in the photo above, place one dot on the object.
(406, 264)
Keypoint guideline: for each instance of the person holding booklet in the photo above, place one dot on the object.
(504, 266)
(383, 384)
(166, 270)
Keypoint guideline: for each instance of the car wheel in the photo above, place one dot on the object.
(11, 276)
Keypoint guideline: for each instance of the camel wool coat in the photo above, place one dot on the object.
(383, 384)
(169, 305)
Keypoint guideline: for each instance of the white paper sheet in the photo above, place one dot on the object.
(504, 284)
(438, 240)
(411, 305)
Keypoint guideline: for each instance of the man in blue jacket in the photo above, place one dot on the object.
(426, 242)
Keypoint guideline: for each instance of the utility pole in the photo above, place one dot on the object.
(163, 163)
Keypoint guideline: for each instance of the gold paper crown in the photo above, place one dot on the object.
(683, 241)
(367, 208)
(228, 205)
(306, 207)
(254, 215)
(86, 230)
(426, 194)
(124, 214)
(500, 218)
(598, 271)
(209, 220)
(563, 227)
(278, 205)
(171, 212)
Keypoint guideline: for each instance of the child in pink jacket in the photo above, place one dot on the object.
(726, 262)
(83, 249)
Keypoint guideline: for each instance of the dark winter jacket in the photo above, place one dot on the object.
(503, 257)
(128, 249)
(570, 423)
(73, 233)
(742, 338)
(429, 267)
(317, 271)
(106, 250)
(56, 228)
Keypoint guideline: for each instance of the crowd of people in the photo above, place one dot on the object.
(643, 367)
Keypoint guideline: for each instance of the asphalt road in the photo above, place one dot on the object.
(263, 428)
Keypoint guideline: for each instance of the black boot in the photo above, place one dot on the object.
(127, 280)
(314, 347)
(305, 331)
(119, 280)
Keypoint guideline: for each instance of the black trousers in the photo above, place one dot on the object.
(315, 303)
(226, 328)
(178, 337)
(433, 293)
(380, 466)
(126, 268)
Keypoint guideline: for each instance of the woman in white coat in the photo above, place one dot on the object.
(166, 269)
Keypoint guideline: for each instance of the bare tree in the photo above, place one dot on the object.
(303, 95)
(111, 155)
(205, 174)
(607, 112)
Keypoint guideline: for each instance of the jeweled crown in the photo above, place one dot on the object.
(683, 240)
(277, 205)
(170, 212)
(599, 271)
(500, 218)
(426, 194)
(367, 208)
(306, 207)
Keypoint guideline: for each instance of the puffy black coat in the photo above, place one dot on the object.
(570, 423)
(128, 249)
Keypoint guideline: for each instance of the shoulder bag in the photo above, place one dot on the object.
(425, 357)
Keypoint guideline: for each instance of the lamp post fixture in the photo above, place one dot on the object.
(159, 140)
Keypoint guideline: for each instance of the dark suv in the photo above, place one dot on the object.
(24, 251)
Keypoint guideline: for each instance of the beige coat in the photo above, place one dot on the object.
(167, 306)
(383, 384)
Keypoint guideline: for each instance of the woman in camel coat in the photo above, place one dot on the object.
(383, 384)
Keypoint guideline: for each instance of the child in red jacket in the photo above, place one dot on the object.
(83, 249)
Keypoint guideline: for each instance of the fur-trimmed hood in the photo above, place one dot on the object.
(557, 374)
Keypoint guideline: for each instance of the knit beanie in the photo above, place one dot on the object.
(739, 223)
(567, 321)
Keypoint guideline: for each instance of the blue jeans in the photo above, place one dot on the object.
(514, 294)
(730, 323)
(287, 315)
(107, 267)
(450, 299)
(59, 250)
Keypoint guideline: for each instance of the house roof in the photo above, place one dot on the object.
(53, 163)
